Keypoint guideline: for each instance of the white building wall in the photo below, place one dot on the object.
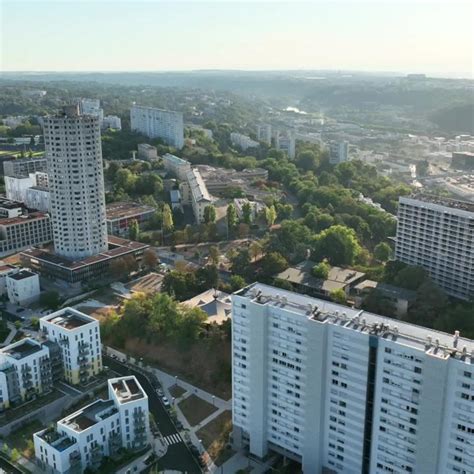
(16, 187)
(24, 291)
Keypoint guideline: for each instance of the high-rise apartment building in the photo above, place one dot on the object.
(338, 152)
(91, 107)
(158, 123)
(74, 154)
(345, 391)
(264, 133)
(438, 235)
(286, 142)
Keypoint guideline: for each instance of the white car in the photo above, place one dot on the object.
(166, 402)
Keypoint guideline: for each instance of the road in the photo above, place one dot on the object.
(178, 457)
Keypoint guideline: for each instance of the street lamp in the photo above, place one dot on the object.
(213, 399)
(176, 380)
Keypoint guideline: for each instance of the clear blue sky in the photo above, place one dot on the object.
(107, 35)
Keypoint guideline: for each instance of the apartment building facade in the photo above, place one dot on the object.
(176, 165)
(344, 391)
(438, 235)
(82, 439)
(24, 166)
(158, 123)
(198, 194)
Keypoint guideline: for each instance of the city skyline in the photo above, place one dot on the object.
(184, 36)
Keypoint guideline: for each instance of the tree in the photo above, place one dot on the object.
(255, 249)
(236, 282)
(270, 215)
(134, 230)
(14, 455)
(247, 213)
(338, 244)
(382, 252)
(50, 299)
(209, 214)
(273, 263)
(321, 270)
(214, 254)
(167, 217)
(150, 259)
(338, 296)
(410, 277)
(240, 263)
(232, 218)
(308, 160)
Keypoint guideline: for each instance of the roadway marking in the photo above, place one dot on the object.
(173, 439)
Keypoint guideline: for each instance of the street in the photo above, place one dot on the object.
(178, 456)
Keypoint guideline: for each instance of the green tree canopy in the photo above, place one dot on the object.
(338, 244)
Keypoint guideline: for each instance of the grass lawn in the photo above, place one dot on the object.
(22, 439)
(195, 410)
(215, 436)
(176, 391)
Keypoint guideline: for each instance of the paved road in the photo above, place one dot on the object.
(178, 456)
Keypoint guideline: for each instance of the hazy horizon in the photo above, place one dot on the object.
(387, 37)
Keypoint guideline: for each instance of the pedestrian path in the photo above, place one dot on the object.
(173, 439)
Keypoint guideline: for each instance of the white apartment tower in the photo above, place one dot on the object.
(158, 123)
(264, 133)
(344, 391)
(76, 181)
(438, 235)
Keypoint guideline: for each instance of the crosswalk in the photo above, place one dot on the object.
(173, 439)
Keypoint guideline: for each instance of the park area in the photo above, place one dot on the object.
(195, 409)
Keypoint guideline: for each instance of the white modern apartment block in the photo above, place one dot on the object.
(147, 152)
(81, 440)
(113, 122)
(38, 197)
(243, 141)
(23, 287)
(438, 235)
(179, 167)
(91, 107)
(16, 187)
(264, 133)
(344, 391)
(78, 336)
(286, 143)
(74, 153)
(200, 197)
(25, 372)
(338, 152)
(158, 123)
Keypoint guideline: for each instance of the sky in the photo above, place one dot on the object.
(416, 36)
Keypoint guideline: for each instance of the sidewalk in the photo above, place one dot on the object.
(10, 336)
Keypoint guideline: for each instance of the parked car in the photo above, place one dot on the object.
(166, 402)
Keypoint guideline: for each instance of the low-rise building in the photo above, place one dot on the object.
(243, 141)
(121, 214)
(9, 208)
(147, 152)
(255, 207)
(20, 233)
(200, 197)
(78, 337)
(23, 287)
(216, 304)
(302, 280)
(112, 122)
(177, 166)
(81, 440)
(400, 299)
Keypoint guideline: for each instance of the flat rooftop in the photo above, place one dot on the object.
(9, 204)
(90, 415)
(127, 389)
(436, 343)
(22, 219)
(175, 159)
(122, 210)
(22, 275)
(442, 201)
(68, 319)
(21, 349)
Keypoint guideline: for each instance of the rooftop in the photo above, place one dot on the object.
(90, 415)
(21, 349)
(121, 210)
(56, 440)
(68, 318)
(436, 343)
(338, 278)
(155, 109)
(442, 201)
(216, 304)
(9, 204)
(176, 160)
(23, 219)
(22, 275)
(126, 389)
(198, 187)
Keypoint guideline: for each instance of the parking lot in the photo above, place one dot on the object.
(178, 457)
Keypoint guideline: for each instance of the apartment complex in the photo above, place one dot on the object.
(74, 152)
(341, 390)
(158, 123)
(264, 133)
(78, 337)
(147, 152)
(81, 440)
(24, 166)
(438, 235)
(177, 166)
(243, 141)
(19, 233)
(198, 194)
(112, 122)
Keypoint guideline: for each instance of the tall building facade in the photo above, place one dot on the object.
(438, 235)
(74, 154)
(264, 133)
(338, 152)
(344, 391)
(158, 123)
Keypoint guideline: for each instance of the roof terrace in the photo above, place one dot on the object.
(90, 415)
(21, 349)
(69, 319)
(127, 389)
